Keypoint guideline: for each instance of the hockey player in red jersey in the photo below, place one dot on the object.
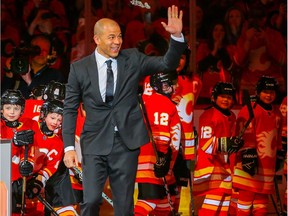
(187, 92)
(256, 162)
(12, 108)
(212, 176)
(185, 97)
(165, 125)
(58, 189)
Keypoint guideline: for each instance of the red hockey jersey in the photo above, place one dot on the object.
(17, 153)
(212, 170)
(187, 93)
(165, 124)
(46, 154)
(264, 134)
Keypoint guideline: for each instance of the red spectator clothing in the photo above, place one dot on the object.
(187, 93)
(17, 153)
(263, 58)
(165, 124)
(264, 134)
(54, 6)
(212, 170)
(213, 69)
(135, 33)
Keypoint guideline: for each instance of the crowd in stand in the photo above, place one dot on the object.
(237, 41)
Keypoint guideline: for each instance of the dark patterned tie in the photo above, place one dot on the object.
(110, 83)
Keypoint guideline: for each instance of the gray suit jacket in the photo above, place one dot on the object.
(98, 132)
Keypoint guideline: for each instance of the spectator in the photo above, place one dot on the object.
(10, 37)
(234, 21)
(146, 32)
(33, 71)
(260, 51)
(213, 61)
(49, 18)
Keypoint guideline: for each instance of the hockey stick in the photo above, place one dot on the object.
(279, 202)
(107, 199)
(47, 205)
(192, 203)
(274, 204)
(23, 200)
(247, 100)
(23, 196)
(142, 106)
(79, 177)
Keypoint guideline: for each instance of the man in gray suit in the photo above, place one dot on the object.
(113, 131)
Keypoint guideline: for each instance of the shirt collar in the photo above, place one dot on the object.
(101, 59)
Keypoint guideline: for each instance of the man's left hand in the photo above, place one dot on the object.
(174, 25)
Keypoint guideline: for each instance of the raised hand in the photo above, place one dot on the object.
(174, 25)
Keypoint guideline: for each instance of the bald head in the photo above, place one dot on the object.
(108, 37)
(102, 25)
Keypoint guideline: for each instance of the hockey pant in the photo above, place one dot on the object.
(250, 203)
(215, 205)
(66, 211)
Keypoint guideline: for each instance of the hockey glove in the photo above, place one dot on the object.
(22, 138)
(181, 169)
(230, 144)
(17, 187)
(162, 165)
(249, 161)
(17, 195)
(33, 188)
(280, 157)
(26, 168)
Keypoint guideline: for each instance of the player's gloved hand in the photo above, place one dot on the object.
(162, 165)
(33, 188)
(16, 195)
(17, 187)
(77, 174)
(26, 168)
(230, 144)
(24, 137)
(249, 161)
(280, 157)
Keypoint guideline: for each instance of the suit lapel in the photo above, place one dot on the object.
(120, 75)
(94, 78)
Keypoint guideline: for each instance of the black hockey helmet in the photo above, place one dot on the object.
(223, 88)
(37, 91)
(157, 80)
(51, 106)
(54, 90)
(13, 97)
(267, 83)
